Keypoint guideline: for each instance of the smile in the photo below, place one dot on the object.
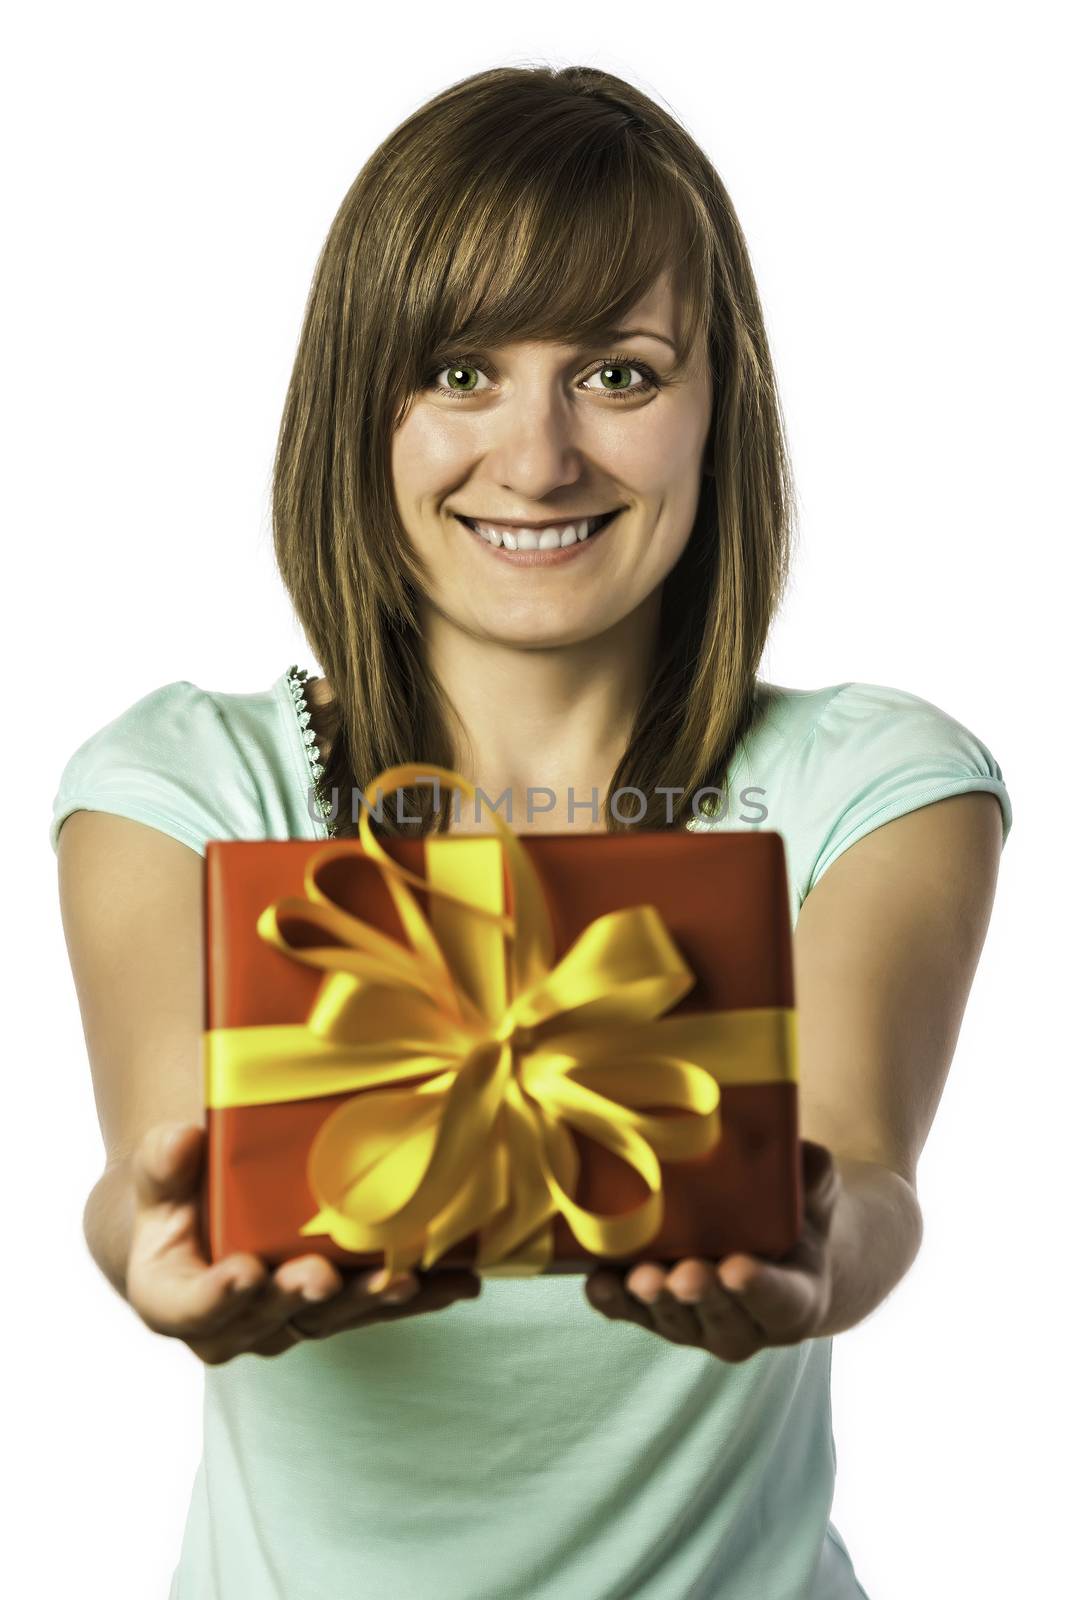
(532, 542)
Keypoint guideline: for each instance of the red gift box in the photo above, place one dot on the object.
(323, 971)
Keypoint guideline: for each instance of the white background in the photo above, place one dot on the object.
(171, 172)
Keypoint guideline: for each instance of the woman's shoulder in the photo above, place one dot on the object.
(184, 714)
(837, 761)
(195, 761)
(854, 713)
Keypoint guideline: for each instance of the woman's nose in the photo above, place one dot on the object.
(532, 447)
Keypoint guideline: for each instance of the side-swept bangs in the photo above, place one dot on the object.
(540, 230)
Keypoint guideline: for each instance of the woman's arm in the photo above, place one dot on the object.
(875, 1233)
(886, 947)
(132, 905)
(131, 902)
(107, 1223)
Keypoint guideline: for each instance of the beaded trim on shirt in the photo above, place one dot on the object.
(295, 680)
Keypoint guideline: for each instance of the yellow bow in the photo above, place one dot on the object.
(520, 1046)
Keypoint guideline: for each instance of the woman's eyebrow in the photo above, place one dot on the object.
(634, 333)
(606, 334)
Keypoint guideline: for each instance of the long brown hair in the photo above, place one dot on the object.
(524, 203)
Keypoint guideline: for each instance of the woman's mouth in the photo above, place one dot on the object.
(562, 542)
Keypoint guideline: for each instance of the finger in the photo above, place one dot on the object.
(726, 1328)
(673, 1320)
(241, 1331)
(280, 1315)
(784, 1302)
(314, 1276)
(251, 1318)
(362, 1304)
(359, 1303)
(607, 1294)
(672, 1317)
(276, 1325)
(183, 1299)
(689, 1278)
(177, 1292)
(647, 1284)
(166, 1163)
(645, 1281)
(355, 1300)
(305, 1284)
(276, 1343)
(189, 1299)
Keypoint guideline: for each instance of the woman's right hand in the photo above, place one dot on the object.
(238, 1306)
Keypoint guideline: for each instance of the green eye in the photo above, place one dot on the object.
(614, 372)
(461, 378)
(458, 370)
(621, 367)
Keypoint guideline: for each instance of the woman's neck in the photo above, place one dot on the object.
(547, 727)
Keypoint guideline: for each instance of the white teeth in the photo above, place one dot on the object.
(556, 538)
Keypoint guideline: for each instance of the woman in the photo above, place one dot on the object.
(534, 308)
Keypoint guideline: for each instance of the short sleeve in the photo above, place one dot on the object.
(876, 753)
(168, 760)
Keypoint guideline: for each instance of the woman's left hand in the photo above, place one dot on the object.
(745, 1303)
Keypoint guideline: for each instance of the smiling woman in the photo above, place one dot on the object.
(515, 368)
(533, 508)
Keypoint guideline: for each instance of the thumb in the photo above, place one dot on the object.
(822, 1178)
(167, 1163)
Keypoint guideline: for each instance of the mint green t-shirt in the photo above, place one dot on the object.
(520, 1446)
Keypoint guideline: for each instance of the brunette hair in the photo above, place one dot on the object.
(524, 203)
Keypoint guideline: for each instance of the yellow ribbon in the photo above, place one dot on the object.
(522, 1049)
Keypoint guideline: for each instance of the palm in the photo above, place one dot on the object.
(743, 1303)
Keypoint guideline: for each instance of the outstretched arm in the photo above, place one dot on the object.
(886, 948)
